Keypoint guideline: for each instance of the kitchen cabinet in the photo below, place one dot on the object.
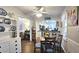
(33, 33)
(9, 43)
(15, 45)
(4, 45)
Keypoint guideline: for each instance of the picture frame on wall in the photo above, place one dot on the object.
(78, 14)
(57, 23)
(73, 17)
(7, 21)
(3, 12)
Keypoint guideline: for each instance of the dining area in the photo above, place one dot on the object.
(50, 42)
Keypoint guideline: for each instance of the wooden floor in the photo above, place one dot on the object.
(27, 46)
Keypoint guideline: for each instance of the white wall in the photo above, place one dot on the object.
(13, 9)
(73, 39)
(38, 33)
(72, 43)
(64, 30)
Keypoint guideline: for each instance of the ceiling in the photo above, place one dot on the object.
(54, 11)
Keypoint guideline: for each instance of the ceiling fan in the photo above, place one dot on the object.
(39, 11)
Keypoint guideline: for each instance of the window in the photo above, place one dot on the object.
(51, 24)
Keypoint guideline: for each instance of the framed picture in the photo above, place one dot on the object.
(3, 12)
(7, 21)
(78, 14)
(72, 17)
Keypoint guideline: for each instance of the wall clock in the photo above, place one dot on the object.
(13, 28)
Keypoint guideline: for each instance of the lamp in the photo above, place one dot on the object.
(39, 15)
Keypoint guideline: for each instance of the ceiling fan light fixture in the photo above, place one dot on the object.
(39, 15)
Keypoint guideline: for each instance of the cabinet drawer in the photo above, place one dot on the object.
(0, 49)
(15, 47)
(4, 47)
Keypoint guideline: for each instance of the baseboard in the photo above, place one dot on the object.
(64, 49)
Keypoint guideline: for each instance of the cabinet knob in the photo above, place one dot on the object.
(0, 46)
(16, 52)
(16, 41)
(15, 44)
(16, 48)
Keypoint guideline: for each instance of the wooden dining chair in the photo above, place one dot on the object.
(37, 44)
(58, 43)
(47, 46)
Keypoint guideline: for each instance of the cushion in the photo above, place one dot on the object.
(49, 50)
(38, 45)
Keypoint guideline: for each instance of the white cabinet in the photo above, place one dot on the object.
(4, 46)
(7, 43)
(10, 45)
(0, 47)
(15, 45)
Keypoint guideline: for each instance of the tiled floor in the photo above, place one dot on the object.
(27, 46)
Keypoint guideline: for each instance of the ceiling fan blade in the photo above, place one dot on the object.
(34, 14)
(41, 9)
(44, 12)
(35, 11)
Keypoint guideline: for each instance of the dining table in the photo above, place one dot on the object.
(47, 40)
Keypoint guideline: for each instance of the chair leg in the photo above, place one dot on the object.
(60, 49)
(34, 50)
(54, 48)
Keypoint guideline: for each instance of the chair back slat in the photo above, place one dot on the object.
(59, 39)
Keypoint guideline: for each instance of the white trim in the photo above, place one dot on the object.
(74, 42)
(30, 31)
(63, 49)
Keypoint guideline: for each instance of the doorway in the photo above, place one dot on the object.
(24, 33)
